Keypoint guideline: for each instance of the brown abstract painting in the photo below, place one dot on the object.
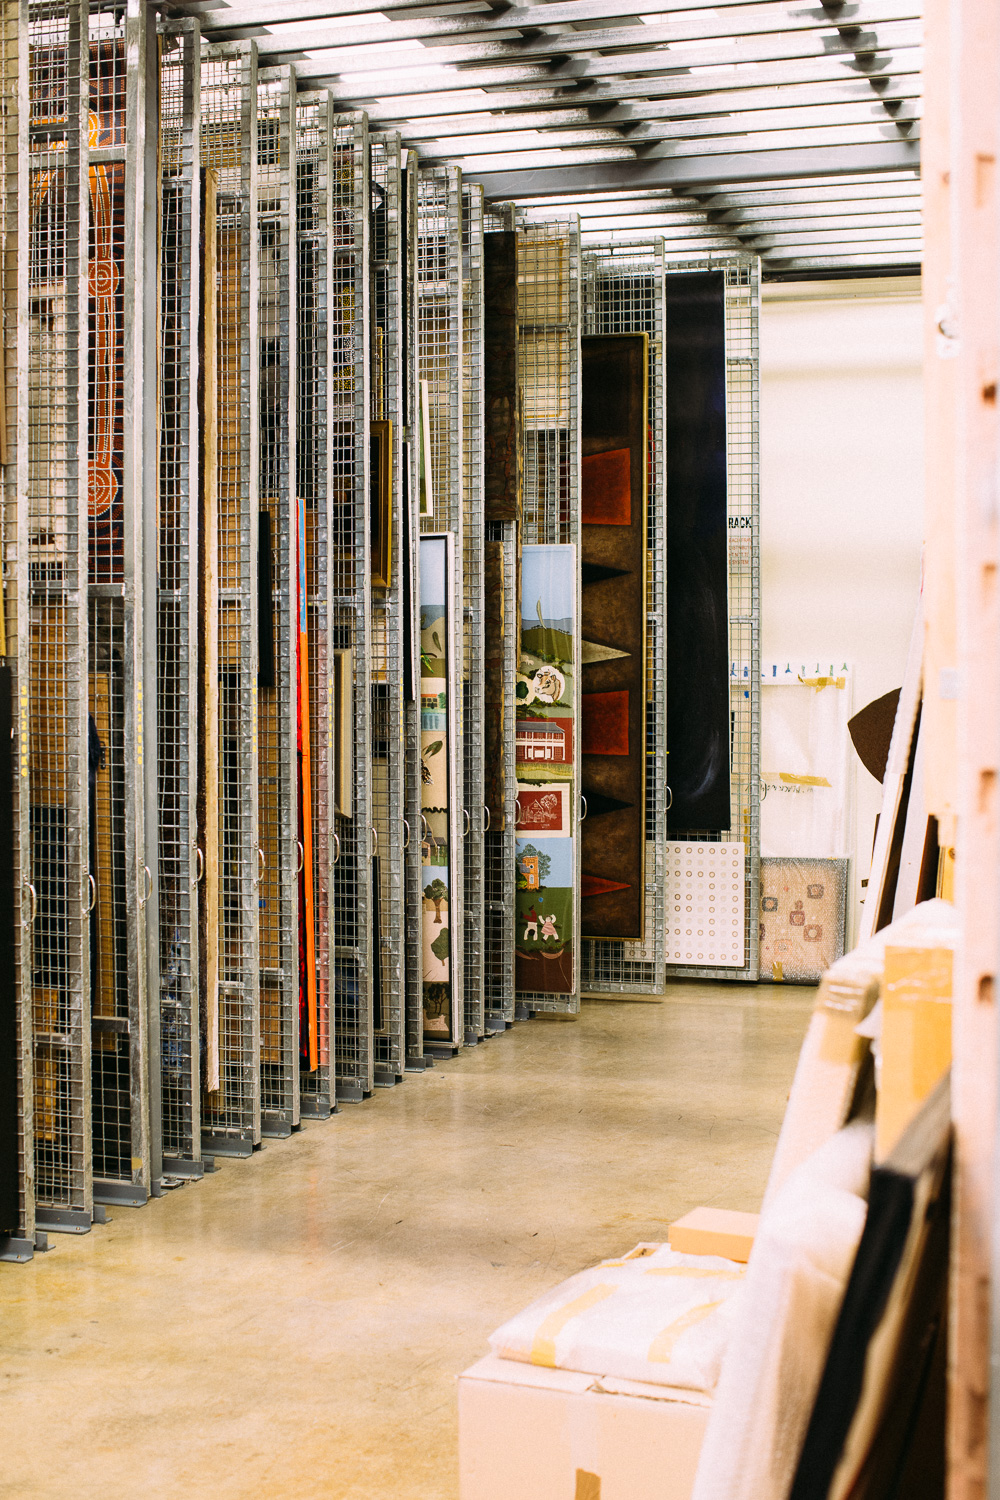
(613, 630)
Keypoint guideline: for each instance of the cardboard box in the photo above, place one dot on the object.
(714, 1231)
(526, 1433)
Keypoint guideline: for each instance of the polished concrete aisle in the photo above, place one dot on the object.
(291, 1327)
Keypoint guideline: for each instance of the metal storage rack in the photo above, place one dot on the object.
(549, 297)
(17, 1229)
(473, 443)
(277, 786)
(742, 311)
(314, 172)
(120, 1064)
(52, 549)
(387, 640)
(178, 617)
(231, 1102)
(623, 293)
(499, 843)
(439, 363)
(416, 1059)
(348, 434)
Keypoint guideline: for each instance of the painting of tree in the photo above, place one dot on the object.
(544, 862)
(437, 892)
(441, 946)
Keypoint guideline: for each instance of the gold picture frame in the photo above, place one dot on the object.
(380, 520)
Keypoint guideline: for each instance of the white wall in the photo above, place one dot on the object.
(841, 431)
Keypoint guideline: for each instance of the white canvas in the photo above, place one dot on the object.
(705, 904)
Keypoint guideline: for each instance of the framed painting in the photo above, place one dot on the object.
(440, 920)
(380, 516)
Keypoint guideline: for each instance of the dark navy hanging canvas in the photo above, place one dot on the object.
(698, 739)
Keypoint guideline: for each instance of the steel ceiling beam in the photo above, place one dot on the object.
(694, 171)
(549, 36)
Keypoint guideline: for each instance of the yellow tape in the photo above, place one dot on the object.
(662, 1346)
(543, 1348)
(822, 682)
(790, 779)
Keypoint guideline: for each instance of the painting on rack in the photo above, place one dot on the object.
(546, 749)
(435, 757)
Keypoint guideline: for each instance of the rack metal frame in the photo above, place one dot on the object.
(623, 293)
(388, 741)
(416, 1059)
(499, 887)
(277, 751)
(178, 617)
(348, 427)
(231, 1113)
(314, 460)
(549, 327)
(440, 346)
(17, 1241)
(52, 549)
(473, 521)
(742, 283)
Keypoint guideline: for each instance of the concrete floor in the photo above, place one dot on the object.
(292, 1326)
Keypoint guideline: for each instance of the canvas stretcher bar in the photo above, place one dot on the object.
(181, 861)
(440, 347)
(388, 540)
(52, 531)
(348, 432)
(473, 416)
(623, 293)
(281, 747)
(17, 1216)
(741, 281)
(549, 315)
(314, 461)
(231, 1123)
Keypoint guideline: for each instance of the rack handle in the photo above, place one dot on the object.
(670, 799)
(200, 864)
(406, 841)
(262, 858)
(468, 822)
(336, 846)
(517, 812)
(302, 855)
(148, 881)
(487, 818)
(375, 844)
(34, 906)
(93, 894)
(583, 805)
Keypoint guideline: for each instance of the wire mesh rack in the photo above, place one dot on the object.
(53, 540)
(178, 616)
(549, 325)
(440, 348)
(387, 622)
(17, 1212)
(282, 853)
(313, 459)
(231, 1100)
(348, 434)
(473, 503)
(413, 956)
(122, 880)
(742, 310)
(500, 578)
(623, 293)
